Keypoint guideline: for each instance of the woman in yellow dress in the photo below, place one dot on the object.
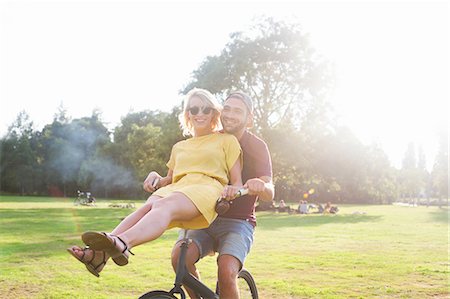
(199, 169)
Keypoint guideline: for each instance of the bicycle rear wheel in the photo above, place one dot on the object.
(247, 285)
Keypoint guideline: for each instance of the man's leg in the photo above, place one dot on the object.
(202, 245)
(228, 270)
(235, 238)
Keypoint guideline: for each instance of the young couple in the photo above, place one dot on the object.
(201, 169)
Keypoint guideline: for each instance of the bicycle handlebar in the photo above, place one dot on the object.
(241, 192)
(223, 205)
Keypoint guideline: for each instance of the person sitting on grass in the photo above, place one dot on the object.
(282, 207)
(303, 208)
(199, 169)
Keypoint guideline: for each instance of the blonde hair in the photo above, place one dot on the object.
(208, 99)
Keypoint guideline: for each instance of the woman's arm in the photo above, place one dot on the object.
(236, 174)
(166, 180)
(235, 180)
(149, 183)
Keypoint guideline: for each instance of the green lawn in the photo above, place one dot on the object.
(363, 252)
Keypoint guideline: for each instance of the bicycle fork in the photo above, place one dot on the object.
(184, 277)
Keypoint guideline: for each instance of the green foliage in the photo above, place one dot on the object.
(19, 170)
(69, 155)
(276, 65)
(143, 141)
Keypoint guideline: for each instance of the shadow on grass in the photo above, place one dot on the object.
(440, 215)
(26, 199)
(40, 233)
(54, 221)
(274, 221)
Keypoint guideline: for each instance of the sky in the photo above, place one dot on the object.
(391, 59)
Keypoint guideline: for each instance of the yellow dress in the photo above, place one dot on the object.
(201, 168)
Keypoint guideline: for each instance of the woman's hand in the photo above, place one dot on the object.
(229, 191)
(152, 182)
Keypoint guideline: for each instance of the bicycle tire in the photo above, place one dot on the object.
(246, 285)
(158, 295)
(76, 202)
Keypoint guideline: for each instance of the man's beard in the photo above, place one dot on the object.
(234, 129)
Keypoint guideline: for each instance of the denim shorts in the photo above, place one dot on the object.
(225, 236)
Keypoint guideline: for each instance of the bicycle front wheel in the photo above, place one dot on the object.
(247, 285)
(158, 295)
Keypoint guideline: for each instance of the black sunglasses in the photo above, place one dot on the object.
(194, 110)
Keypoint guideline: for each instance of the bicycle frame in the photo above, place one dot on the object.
(183, 277)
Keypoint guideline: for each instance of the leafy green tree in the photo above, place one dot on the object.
(19, 172)
(143, 142)
(273, 62)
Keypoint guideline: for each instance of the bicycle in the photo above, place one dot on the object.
(246, 283)
(84, 198)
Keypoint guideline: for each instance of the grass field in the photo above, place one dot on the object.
(362, 252)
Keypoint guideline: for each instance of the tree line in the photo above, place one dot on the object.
(289, 83)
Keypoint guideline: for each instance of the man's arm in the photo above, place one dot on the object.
(262, 187)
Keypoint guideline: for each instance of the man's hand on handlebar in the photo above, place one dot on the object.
(229, 193)
(255, 186)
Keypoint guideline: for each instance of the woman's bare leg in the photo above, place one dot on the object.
(154, 223)
(134, 217)
(124, 225)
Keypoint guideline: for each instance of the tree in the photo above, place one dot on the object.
(288, 81)
(381, 186)
(143, 142)
(424, 175)
(19, 170)
(61, 115)
(276, 65)
(410, 178)
(66, 146)
(439, 174)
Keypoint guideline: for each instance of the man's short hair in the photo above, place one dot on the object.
(243, 97)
